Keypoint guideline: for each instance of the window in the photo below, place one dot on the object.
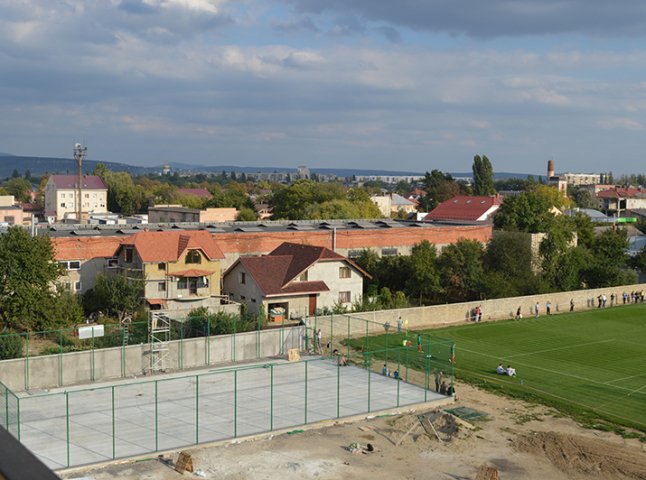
(388, 252)
(344, 272)
(253, 300)
(77, 286)
(87, 195)
(128, 255)
(345, 297)
(71, 265)
(113, 263)
(354, 253)
(161, 266)
(303, 277)
(242, 297)
(243, 278)
(10, 220)
(182, 284)
(62, 195)
(63, 205)
(193, 256)
(161, 287)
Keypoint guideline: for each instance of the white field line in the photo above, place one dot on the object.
(597, 408)
(625, 378)
(560, 348)
(556, 372)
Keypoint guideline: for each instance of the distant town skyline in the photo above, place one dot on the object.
(367, 84)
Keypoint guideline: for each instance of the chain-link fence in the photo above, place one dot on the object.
(87, 425)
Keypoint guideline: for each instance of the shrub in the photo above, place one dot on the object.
(11, 346)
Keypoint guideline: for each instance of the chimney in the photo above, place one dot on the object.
(550, 169)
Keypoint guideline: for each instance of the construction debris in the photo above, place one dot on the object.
(485, 472)
(184, 463)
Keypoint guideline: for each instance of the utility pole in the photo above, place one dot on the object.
(79, 154)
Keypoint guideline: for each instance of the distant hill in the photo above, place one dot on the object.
(39, 165)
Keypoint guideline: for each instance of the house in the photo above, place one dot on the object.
(296, 279)
(181, 269)
(263, 210)
(12, 213)
(180, 214)
(83, 258)
(619, 199)
(61, 196)
(393, 203)
(466, 208)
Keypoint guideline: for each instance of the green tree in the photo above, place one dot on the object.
(482, 176)
(27, 272)
(461, 270)
(583, 197)
(19, 188)
(440, 187)
(123, 195)
(531, 211)
(114, 295)
(247, 215)
(424, 278)
(508, 266)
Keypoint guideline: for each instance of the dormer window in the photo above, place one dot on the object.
(193, 256)
(303, 277)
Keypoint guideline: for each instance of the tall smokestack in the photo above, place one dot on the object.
(550, 169)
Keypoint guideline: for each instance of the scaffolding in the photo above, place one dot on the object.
(158, 338)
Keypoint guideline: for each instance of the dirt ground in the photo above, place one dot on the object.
(520, 440)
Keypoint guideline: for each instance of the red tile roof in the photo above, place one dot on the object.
(274, 273)
(193, 272)
(90, 182)
(620, 192)
(169, 246)
(84, 248)
(196, 192)
(463, 207)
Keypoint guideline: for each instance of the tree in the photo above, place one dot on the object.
(19, 188)
(424, 278)
(583, 197)
(247, 215)
(27, 272)
(462, 270)
(440, 187)
(114, 295)
(531, 211)
(607, 264)
(482, 176)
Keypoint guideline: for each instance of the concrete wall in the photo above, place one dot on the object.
(49, 371)
(458, 313)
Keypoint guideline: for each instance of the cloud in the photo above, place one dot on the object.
(494, 18)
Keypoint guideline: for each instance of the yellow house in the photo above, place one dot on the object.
(181, 269)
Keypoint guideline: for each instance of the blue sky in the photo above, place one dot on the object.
(406, 85)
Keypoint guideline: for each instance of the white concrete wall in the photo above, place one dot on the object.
(44, 372)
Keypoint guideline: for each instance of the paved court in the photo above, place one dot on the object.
(77, 426)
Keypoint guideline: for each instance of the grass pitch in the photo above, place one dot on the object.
(589, 364)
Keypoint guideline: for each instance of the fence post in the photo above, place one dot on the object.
(114, 449)
(181, 346)
(427, 375)
(399, 375)
(156, 416)
(258, 337)
(306, 361)
(235, 327)
(208, 341)
(365, 342)
(27, 361)
(271, 397)
(197, 409)
(92, 357)
(348, 341)
(60, 358)
(369, 359)
(235, 403)
(67, 425)
(338, 387)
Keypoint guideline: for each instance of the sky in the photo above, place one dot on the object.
(396, 85)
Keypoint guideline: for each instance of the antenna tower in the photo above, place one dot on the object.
(79, 154)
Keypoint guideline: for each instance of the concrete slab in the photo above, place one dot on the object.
(80, 425)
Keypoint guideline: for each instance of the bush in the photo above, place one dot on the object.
(11, 346)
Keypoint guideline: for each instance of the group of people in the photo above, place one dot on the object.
(500, 370)
(476, 314)
(386, 372)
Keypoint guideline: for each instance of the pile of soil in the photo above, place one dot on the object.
(576, 454)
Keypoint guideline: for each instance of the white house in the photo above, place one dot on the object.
(295, 279)
(61, 196)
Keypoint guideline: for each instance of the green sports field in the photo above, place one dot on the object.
(591, 364)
